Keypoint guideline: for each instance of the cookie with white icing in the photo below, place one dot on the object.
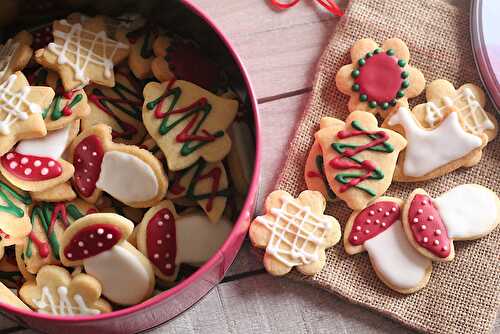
(433, 152)
(168, 239)
(15, 54)
(294, 232)
(131, 175)
(98, 243)
(56, 292)
(466, 212)
(37, 164)
(377, 229)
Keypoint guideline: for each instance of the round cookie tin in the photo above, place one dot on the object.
(168, 304)
(486, 45)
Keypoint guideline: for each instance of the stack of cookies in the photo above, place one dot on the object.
(118, 146)
(355, 160)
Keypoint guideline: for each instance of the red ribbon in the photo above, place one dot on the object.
(330, 5)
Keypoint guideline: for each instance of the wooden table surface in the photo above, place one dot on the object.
(280, 51)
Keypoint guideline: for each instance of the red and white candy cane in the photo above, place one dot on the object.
(329, 5)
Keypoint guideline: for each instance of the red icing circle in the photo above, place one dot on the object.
(161, 241)
(380, 78)
(92, 240)
(87, 160)
(373, 220)
(427, 226)
(31, 167)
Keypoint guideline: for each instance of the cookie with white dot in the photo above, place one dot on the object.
(377, 229)
(98, 242)
(466, 212)
(168, 239)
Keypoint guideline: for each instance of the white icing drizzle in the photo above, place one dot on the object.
(294, 229)
(474, 117)
(395, 259)
(468, 211)
(49, 304)
(428, 150)
(13, 104)
(82, 45)
(6, 53)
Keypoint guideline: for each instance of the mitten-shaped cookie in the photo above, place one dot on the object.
(466, 212)
(377, 229)
(294, 232)
(98, 242)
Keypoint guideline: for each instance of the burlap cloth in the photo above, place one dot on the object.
(462, 296)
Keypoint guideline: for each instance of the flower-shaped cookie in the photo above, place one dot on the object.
(379, 78)
(294, 232)
(56, 292)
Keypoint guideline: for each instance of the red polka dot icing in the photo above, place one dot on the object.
(92, 240)
(427, 226)
(373, 220)
(87, 160)
(30, 167)
(380, 78)
(161, 241)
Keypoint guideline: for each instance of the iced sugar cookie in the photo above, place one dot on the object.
(187, 122)
(169, 239)
(359, 158)
(82, 53)
(129, 174)
(56, 292)
(98, 242)
(15, 54)
(294, 232)
(435, 151)
(379, 80)
(377, 229)
(466, 212)
(14, 218)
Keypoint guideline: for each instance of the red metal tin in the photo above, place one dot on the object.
(172, 302)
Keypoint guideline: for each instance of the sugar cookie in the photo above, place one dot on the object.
(15, 54)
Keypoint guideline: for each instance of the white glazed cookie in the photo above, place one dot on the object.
(294, 232)
(377, 229)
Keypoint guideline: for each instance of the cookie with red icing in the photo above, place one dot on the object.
(168, 239)
(359, 158)
(14, 218)
(377, 229)
(129, 174)
(466, 212)
(379, 79)
(37, 164)
(98, 243)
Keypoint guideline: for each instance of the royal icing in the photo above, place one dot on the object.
(161, 241)
(81, 44)
(50, 146)
(31, 167)
(87, 159)
(47, 303)
(399, 264)
(127, 178)
(427, 226)
(347, 158)
(474, 118)
(92, 240)
(428, 150)
(294, 230)
(13, 104)
(468, 211)
(9, 206)
(123, 277)
(6, 54)
(373, 220)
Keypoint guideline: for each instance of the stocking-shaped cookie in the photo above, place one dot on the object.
(294, 232)
(36, 164)
(465, 212)
(129, 174)
(98, 242)
(433, 152)
(168, 239)
(21, 107)
(377, 229)
(359, 158)
(187, 122)
(206, 183)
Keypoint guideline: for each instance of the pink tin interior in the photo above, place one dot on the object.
(165, 306)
